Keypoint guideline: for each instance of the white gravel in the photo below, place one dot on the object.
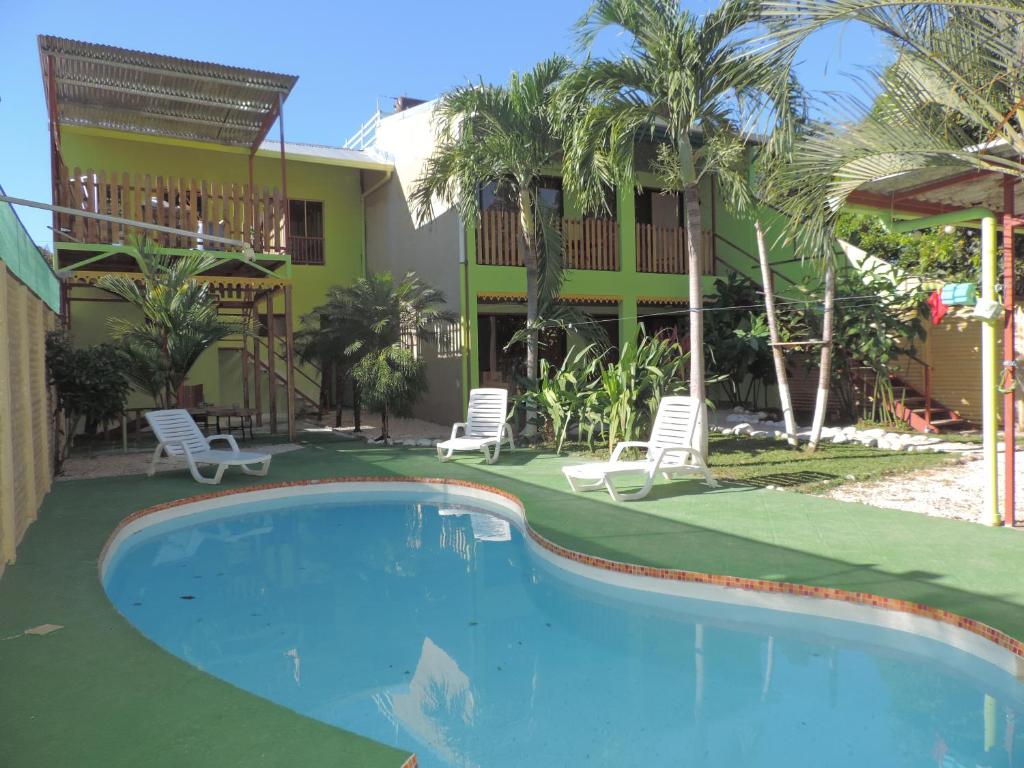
(952, 491)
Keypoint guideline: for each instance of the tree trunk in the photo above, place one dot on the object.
(695, 271)
(527, 227)
(825, 372)
(357, 410)
(773, 329)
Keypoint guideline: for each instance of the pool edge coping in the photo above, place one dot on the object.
(765, 586)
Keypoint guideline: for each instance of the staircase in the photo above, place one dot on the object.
(917, 409)
(307, 389)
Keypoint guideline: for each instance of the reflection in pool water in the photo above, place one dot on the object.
(435, 628)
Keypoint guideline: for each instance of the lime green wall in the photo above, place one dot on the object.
(336, 186)
(735, 249)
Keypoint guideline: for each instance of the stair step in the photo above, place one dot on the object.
(947, 422)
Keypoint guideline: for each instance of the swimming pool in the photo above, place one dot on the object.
(425, 619)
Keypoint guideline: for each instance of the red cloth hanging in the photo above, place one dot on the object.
(938, 309)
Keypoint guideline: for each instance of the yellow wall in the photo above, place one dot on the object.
(953, 350)
(26, 450)
(336, 186)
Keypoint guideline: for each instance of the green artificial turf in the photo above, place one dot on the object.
(96, 693)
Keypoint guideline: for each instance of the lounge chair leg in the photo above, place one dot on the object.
(151, 470)
(264, 467)
(636, 495)
(506, 430)
(442, 455)
(495, 453)
(709, 479)
(198, 477)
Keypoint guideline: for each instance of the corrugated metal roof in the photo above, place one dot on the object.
(370, 158)
(108, 87)
(951, 186)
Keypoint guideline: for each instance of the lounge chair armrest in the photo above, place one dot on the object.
(456, 427)
(163, 445)
(676, 450)
(620, 447)
(229, 439)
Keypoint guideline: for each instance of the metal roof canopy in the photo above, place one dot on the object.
(107, 87)
(945, 192)
(945, 188)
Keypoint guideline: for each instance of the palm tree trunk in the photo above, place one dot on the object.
(825, 372)
(357, 408)
(779, 359)
(691, 201)
(527, 227)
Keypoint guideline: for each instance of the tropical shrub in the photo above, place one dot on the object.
(366, 328)
(390, 381)
(736, 340)
(615, 400)
(564, 395)
(179, 320)
(879, 317)
(631, 388)
(90, 384)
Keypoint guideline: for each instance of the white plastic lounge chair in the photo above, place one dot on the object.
(674, 449)
(484, 427)
(178, 435)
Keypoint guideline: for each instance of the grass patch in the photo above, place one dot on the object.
(769, 463)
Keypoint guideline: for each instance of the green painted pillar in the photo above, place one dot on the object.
(626, 205)
(470, 355)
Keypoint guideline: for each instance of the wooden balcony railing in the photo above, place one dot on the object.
(663, 250)
(215, 208)
(586, 243)
(306, 250)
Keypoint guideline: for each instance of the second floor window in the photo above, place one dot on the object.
(306, 231)
(549, 192)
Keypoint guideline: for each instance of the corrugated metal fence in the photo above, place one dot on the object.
(28, 296)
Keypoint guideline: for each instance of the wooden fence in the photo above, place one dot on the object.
(586, 243)
(26, 447)
(201, 206)
(663, 250)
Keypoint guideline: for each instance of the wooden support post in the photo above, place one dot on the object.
(257, 373)
(271, 360)
(1009, 360)
(250, 206)
(289, 361)
(284, 176)
(247, 316)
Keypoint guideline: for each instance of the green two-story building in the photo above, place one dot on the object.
(182, 147)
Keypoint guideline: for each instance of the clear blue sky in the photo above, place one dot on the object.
(346, 54)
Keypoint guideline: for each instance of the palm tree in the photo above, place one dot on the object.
(688, 85)
(321, 340)
(179, 320)
(953, 93)
(506, 137)
(370, 324)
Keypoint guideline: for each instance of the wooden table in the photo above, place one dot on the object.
(214, 413)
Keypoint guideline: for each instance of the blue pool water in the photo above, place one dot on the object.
(440, 630)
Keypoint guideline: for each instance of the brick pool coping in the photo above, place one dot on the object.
(986, 632)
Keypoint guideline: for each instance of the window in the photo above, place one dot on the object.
(662, 209)
(306, 231)
(498, 197)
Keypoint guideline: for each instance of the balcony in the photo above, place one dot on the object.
(587, 243)
(306, 250)
(227, 210)
(662, 250)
